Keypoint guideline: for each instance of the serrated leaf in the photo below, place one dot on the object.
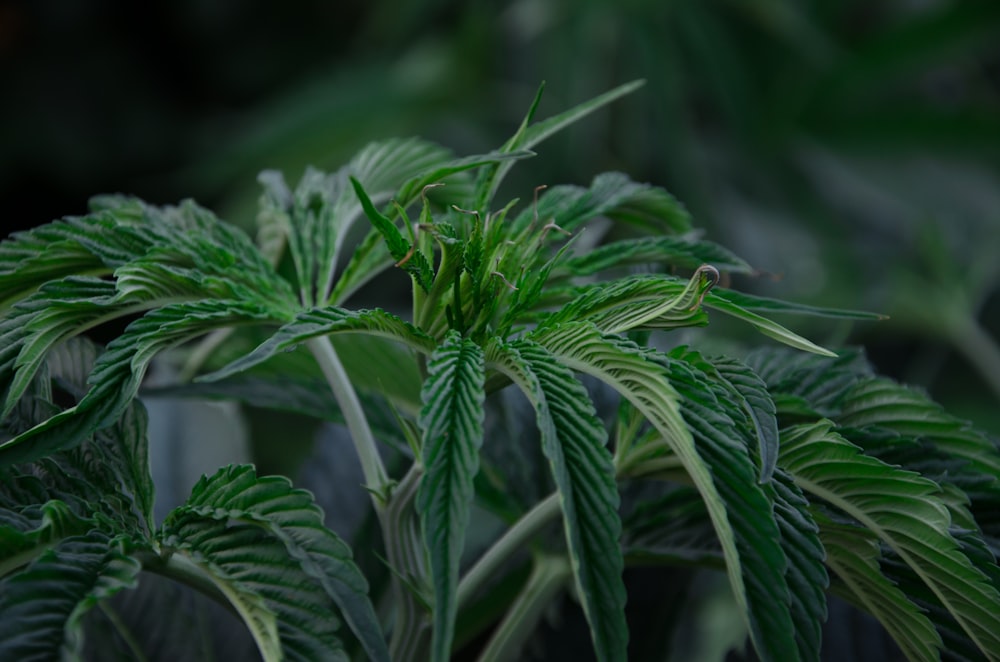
(906, 511)
(529, 135)
(573, 440)
(751, 393)
(768, 305)
(611, 195)
(42, 607)
(290, 517)
(735, 515)
(325, 321)
(452, 432)
(119, 371)
(673, 527)
(685, 252)
(767, 327)
(853, 555)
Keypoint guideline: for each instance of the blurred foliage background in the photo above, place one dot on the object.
(849, 149)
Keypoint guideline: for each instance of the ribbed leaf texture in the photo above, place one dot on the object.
(907, 512)
(261, 536)
(573, 440)
(43, 605)
(452, 433)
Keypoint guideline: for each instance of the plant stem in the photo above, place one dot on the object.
(981, 351)
(516, 537)
(548, 577)
(376, 479)
(411, 633)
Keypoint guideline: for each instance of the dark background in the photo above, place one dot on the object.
(850, 148)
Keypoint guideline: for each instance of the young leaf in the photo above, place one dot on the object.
(573, 440)
(452, 424)
(321, 561)
(767, 327)
(42, 607)
(906, 511)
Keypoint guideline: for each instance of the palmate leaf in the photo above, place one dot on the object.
(735, 503)
(573, 440)
(452, 432)
(235, 496)
(42, 607)
(119, 371)
(853, 554)
(906, 511)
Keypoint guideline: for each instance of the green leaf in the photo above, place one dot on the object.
(319, 571)
(764, 304)
(751, 393)
(28, 529)
(405, 254)
(325, 321)
(529, 135)
(735, 503)
(452, 425)
(685, 252)
(673, 527)
(573, 440)
(119, 371)
(853, 555)
(767, 327)
(906, 511)
(818, 381)
(42, 608)
(611, 195)
(639, 302)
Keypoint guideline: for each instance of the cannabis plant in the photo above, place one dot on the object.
(793, 471)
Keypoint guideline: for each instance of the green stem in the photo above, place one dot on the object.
(981, 351)
(123, 631)
(514, 540)
(376, 479)
(549, 577)
(411, 632)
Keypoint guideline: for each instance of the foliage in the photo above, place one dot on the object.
(793, 470)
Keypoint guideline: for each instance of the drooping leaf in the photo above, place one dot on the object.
(906, 511)
(573, 440)
(324, 321)
(761, 304)
(319, 573)
(42, 607)
(734, 502)
(119, 371)
(751, 393)
(452, 432)
(766, 326)
(853, 555)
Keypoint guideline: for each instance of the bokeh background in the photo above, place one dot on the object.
(850, 149)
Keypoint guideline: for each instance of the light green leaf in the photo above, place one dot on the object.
(573, 440)
(529, 135)
(906, 511)
(291, 517)
(767, 327)
(42, 607)
(637, 376)
(452, 433)
(325, 321)
(767, 305)
(853, 554)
